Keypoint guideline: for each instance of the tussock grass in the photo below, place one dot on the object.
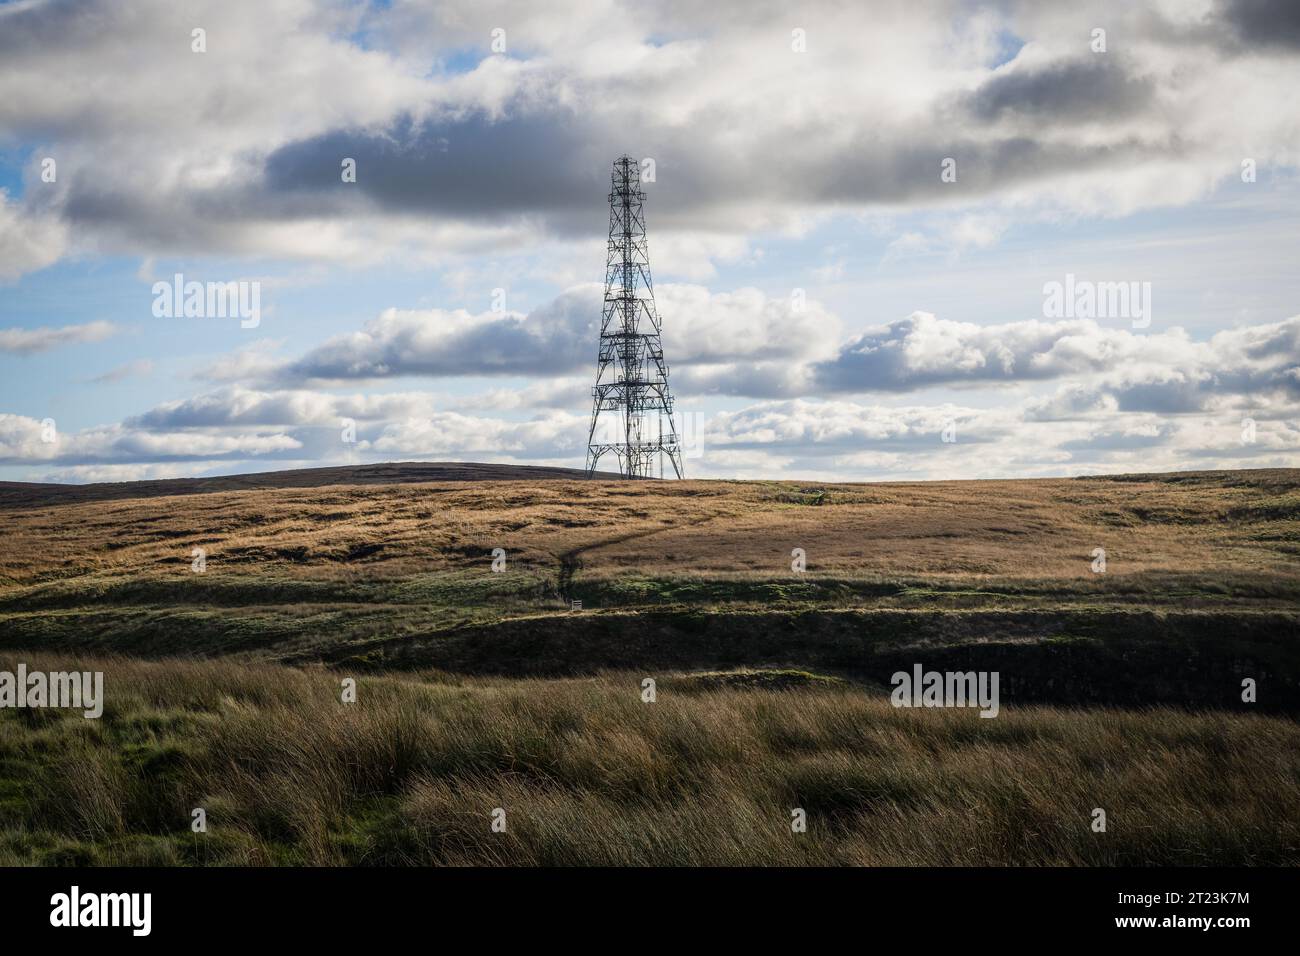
(590, 775)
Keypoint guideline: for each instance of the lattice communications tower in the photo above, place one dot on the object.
(632, 412)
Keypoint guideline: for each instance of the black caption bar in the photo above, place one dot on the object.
(332, 906)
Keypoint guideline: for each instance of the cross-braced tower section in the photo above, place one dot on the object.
(632, 413)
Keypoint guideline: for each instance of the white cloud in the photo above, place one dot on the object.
(23, 441)
(556, 393)
(1165, 368)
(748, 136)
(163, 152)
(30, 239)
(29, 341)
(237, 406)
(558, 338)
(134, 369)
(452, 434)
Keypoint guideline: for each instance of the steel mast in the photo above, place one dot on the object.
(631, 388)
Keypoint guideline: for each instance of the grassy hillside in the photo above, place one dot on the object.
(587, 773)
(481, 690)
(22, 493)
(1201, 587)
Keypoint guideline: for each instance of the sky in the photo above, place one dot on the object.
(890, 241)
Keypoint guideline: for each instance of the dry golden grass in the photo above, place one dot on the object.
(589, 774)
(1202, 588)
(399, 574)
(1216, 524)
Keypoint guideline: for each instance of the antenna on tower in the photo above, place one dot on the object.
(631, 374)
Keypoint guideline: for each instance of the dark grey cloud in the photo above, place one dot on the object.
(1168, 397)
(1098, 88)
(1263, 23)
(470, 167)
(553, 168)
